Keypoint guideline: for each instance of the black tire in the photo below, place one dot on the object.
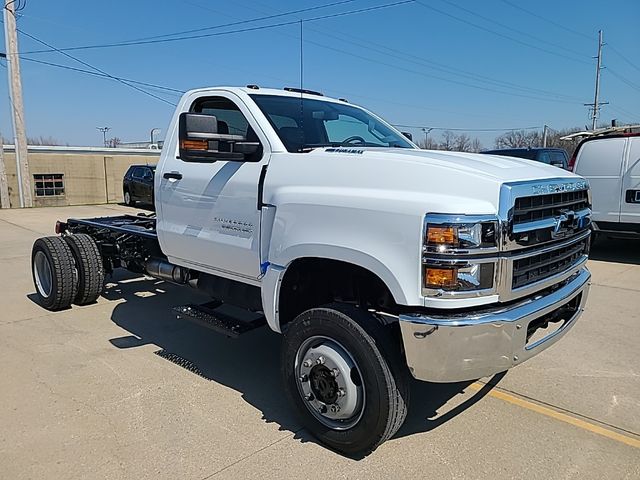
(377, 354)
(56, 289)
(128, 199)
(90, 268)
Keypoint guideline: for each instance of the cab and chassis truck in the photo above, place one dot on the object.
(376, 260)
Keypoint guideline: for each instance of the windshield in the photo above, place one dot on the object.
(304, 124)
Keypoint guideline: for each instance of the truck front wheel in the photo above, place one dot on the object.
(344, 374)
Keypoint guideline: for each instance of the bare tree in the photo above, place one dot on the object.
(519, 139)
(462, 143)
(428, 144)
(476, 146)
(114, 142)
(448, 141)
(42, 140)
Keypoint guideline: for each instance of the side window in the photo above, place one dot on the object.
(138, 172)
(558, 158)
(544, 157)
(230, 118)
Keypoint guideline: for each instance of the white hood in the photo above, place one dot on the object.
(401, 179)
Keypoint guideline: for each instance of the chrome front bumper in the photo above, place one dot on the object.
(454, 347)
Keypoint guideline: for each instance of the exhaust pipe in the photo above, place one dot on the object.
(163, 270)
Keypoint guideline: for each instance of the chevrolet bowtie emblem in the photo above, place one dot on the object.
(565, 219)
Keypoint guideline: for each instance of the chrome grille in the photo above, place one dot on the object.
(545, 233)
(540, 266)
(541, 207)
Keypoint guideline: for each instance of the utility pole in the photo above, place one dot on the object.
(17, 110)
(4, 187)
(595, 106)
(104, 131)
(544, 135)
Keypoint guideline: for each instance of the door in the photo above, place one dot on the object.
(630, 210)
(600, 162)
(208, 212)
(136, 183)
(147, 185)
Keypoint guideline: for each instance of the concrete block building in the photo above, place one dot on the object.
(75, 175)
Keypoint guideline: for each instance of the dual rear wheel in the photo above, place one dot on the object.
(66, 270)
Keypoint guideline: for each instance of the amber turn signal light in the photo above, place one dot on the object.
(442, 235)
(195, 145)
(440, 277)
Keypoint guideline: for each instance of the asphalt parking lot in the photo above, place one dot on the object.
(123, 389)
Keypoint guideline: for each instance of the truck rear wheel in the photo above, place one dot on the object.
(54, 273)
(89, 266)
(345, 376)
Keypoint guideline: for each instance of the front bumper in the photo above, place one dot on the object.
(455, 347)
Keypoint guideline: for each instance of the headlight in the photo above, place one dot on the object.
(455, 255)
(462, 277)
(468, 235)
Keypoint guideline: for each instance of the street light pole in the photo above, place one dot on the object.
(426, 131)
(104, 131)
(153, 130)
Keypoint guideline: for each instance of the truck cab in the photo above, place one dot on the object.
(376, 260)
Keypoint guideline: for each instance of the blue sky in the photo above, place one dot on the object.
(438, 63)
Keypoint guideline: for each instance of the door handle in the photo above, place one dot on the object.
(172, 175)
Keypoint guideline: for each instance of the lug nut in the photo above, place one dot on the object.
(307, 363)
(322, 409)
(341, 392)
(335, 372)
(309, 397)
(304, 378)
(320, 360)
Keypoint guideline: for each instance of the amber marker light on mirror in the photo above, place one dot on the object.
(195, 145)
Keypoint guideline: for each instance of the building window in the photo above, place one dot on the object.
(49, 184)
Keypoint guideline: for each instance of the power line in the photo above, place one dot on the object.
(468, 129)
(623, 79)
(251, 20)
(467, 22)
(97, 74)
(507, 27)
(544, 19)
(95, 68)
(417, 72)
(229, 32)
(445, 68)
(617, 52)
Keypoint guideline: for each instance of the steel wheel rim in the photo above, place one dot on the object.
(316, 362)
(127, 198)
(42, 274)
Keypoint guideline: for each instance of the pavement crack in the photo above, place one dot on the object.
(565, 410)
(252, 454)
(20, 226)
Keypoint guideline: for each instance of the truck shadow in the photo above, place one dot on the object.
(249, 364)
(615, 250)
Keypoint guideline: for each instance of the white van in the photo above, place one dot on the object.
(612, 166)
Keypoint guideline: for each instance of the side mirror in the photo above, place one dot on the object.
(408, 135)
(200, 141)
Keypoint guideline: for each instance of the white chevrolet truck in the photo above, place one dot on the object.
(376, 260)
